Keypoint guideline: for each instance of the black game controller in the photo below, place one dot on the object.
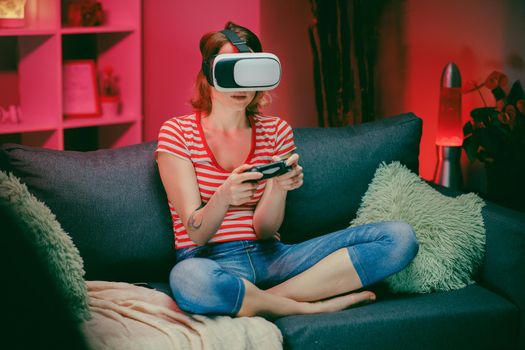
(270, 170)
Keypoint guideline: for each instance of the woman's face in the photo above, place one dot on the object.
(238, 100)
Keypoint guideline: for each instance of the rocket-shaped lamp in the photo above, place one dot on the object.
(449, 135)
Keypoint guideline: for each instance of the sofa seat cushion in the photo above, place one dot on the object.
(468, 318)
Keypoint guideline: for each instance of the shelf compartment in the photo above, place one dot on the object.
(102, 136)
(26, 84)
(9, 72)
(118, 50)
(11, 138)
(120, 135)
(52, 139)
(41, 15)
(81, 139)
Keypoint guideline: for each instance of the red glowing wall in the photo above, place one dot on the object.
(172, 30)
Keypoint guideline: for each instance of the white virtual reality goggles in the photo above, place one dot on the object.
(243, 71)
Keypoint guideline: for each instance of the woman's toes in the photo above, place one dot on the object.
(345, 301)
(363, 297)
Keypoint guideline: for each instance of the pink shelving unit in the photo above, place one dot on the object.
(31, 75)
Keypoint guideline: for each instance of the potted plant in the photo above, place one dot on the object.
(84, 13)
(109, 92)
(495, 136)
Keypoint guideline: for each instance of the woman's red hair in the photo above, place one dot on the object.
(210, 44)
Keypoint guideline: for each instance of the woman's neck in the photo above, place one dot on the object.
(225, 120)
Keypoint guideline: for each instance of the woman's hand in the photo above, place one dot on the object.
(235, 191)
(292, 179)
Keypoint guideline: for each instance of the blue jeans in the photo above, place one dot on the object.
(208, 279)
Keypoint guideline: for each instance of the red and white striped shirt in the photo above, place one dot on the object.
(183, 137)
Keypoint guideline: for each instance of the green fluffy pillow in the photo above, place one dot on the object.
(450, 231)
(52, 244)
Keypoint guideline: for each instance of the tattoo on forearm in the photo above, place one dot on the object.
(193, 222)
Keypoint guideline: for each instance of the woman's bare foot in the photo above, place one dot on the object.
(342, 302)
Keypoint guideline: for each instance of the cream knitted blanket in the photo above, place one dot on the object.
(130, 317)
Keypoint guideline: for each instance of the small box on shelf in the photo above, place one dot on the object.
(10, 115)
(39, 18)
(12, 14)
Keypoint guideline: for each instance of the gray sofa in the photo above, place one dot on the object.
(113, 205)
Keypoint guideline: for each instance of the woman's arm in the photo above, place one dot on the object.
(269, 213)
(180, 183)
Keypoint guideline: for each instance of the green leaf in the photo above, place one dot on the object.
(470, 145)
(483, 155)
(467, 128)
(481, 114)
(516, 93)
(499, 93)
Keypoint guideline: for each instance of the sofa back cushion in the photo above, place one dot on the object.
(110, 201)
(113, 205)
(338, 165)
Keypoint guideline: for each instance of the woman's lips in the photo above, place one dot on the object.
(239, 97)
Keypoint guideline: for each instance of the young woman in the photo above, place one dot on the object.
(230, 258)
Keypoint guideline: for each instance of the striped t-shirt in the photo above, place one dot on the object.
(183, 137)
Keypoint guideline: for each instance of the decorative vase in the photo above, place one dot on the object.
(110, 106)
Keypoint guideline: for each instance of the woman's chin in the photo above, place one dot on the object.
(239, 104)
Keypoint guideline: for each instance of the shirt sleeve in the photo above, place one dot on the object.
(284, 141)
(171, 140)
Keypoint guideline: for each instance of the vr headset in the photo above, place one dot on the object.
(243, 71)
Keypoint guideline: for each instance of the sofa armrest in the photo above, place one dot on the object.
(503, 268)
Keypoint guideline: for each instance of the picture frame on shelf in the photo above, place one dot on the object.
(12, 14)
(80, 92)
